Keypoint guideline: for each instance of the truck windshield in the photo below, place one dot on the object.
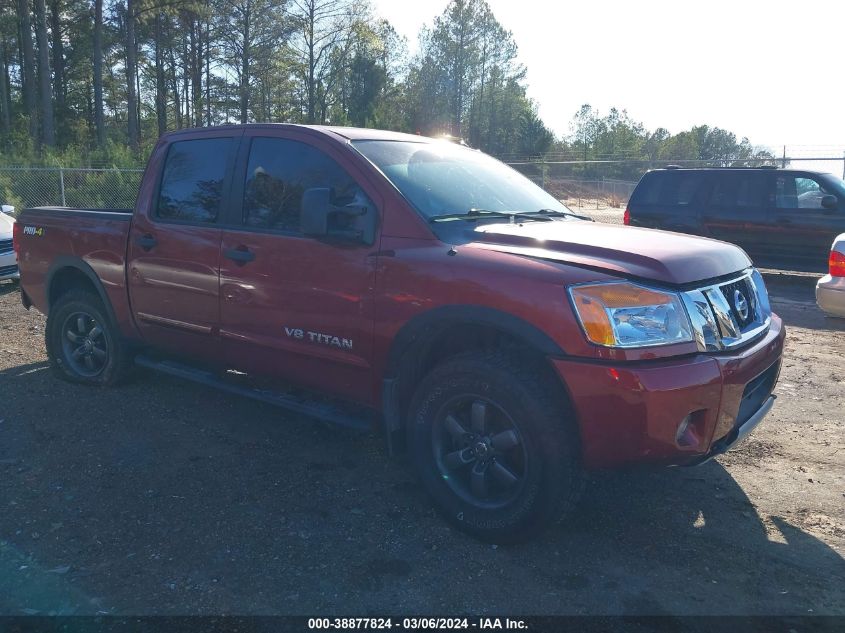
(442, 179)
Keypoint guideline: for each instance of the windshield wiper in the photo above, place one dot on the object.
(561, 214)
(472, 214)
(513, 216)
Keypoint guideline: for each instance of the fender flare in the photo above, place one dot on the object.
(63, 262)
(437, 318)
(430, 323)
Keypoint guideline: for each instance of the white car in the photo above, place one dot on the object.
(830, 291)
(8, 261)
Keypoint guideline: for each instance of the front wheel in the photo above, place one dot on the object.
(83, 345)
(495, 446)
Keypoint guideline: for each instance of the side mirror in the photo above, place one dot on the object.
(7, 208)
(829, 202)
(320, 218)
(314, 215)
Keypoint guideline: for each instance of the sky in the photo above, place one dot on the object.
(768, 70)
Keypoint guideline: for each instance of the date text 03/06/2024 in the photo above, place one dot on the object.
(432, 623)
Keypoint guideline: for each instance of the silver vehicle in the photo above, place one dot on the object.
(8, 261)
(830, 291)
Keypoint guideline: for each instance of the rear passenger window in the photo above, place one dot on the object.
(192, 182)
(278, 173)
(737, 191)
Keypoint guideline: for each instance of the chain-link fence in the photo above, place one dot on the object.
(606, 185)
(589, 186)
(69, 187)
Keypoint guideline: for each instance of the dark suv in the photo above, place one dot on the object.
(779, 216)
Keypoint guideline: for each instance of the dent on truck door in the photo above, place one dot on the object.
(174, 248)
(295, 307)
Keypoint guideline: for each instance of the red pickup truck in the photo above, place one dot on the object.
(503, 343)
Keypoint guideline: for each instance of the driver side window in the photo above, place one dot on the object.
(798, 192)
(278, 173)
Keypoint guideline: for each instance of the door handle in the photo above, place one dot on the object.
(240, 255)
(147, 242)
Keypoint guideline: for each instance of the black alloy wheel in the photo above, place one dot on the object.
(84, 345)
(495, 444)
(479, 452)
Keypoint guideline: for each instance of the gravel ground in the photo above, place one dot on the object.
(162, 497)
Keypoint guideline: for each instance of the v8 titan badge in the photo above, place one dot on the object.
(319, 337)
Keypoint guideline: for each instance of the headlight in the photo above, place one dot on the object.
(627, 315)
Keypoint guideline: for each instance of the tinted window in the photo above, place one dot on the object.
(669, 188)
(647, 190)
(279, 171)
(192, 184)
(679, 188)
(737, 190)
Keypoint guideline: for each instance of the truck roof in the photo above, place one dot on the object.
(349, 133)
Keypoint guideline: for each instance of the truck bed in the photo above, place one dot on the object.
(92, 240)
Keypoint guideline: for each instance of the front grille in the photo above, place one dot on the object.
(739, 294)
(8, 270)
(6, 246)
(722, 319)
(756, 392)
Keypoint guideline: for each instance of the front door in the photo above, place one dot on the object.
(805, 229)
(174, 247)
(295, 307)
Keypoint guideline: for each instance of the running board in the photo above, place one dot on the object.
(313, 407)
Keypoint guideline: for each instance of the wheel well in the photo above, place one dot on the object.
(438, 343)
(66, 279)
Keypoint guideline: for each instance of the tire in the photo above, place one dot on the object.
(526, 476)
(83, 344)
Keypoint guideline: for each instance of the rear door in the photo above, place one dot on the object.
(733, 211)
(295, 307)
(804, 230)
(174, 246)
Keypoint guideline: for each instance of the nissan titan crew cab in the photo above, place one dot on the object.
(501, 343)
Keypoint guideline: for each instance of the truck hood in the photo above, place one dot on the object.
(672, 258)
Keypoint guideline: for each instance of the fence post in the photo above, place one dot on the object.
(543, 171)
(62, 185)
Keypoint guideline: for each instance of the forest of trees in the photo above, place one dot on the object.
(94, 76)
(97, 81)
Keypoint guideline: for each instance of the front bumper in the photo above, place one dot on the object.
(630, 413)
(739, 433)
(830, 295)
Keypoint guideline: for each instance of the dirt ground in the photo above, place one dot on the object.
(163, 497)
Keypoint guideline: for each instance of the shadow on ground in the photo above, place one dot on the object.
(162, 497)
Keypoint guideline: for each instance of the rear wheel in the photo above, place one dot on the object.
(83, 344)
(495, 446)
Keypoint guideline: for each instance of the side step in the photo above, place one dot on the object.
(358, 418)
